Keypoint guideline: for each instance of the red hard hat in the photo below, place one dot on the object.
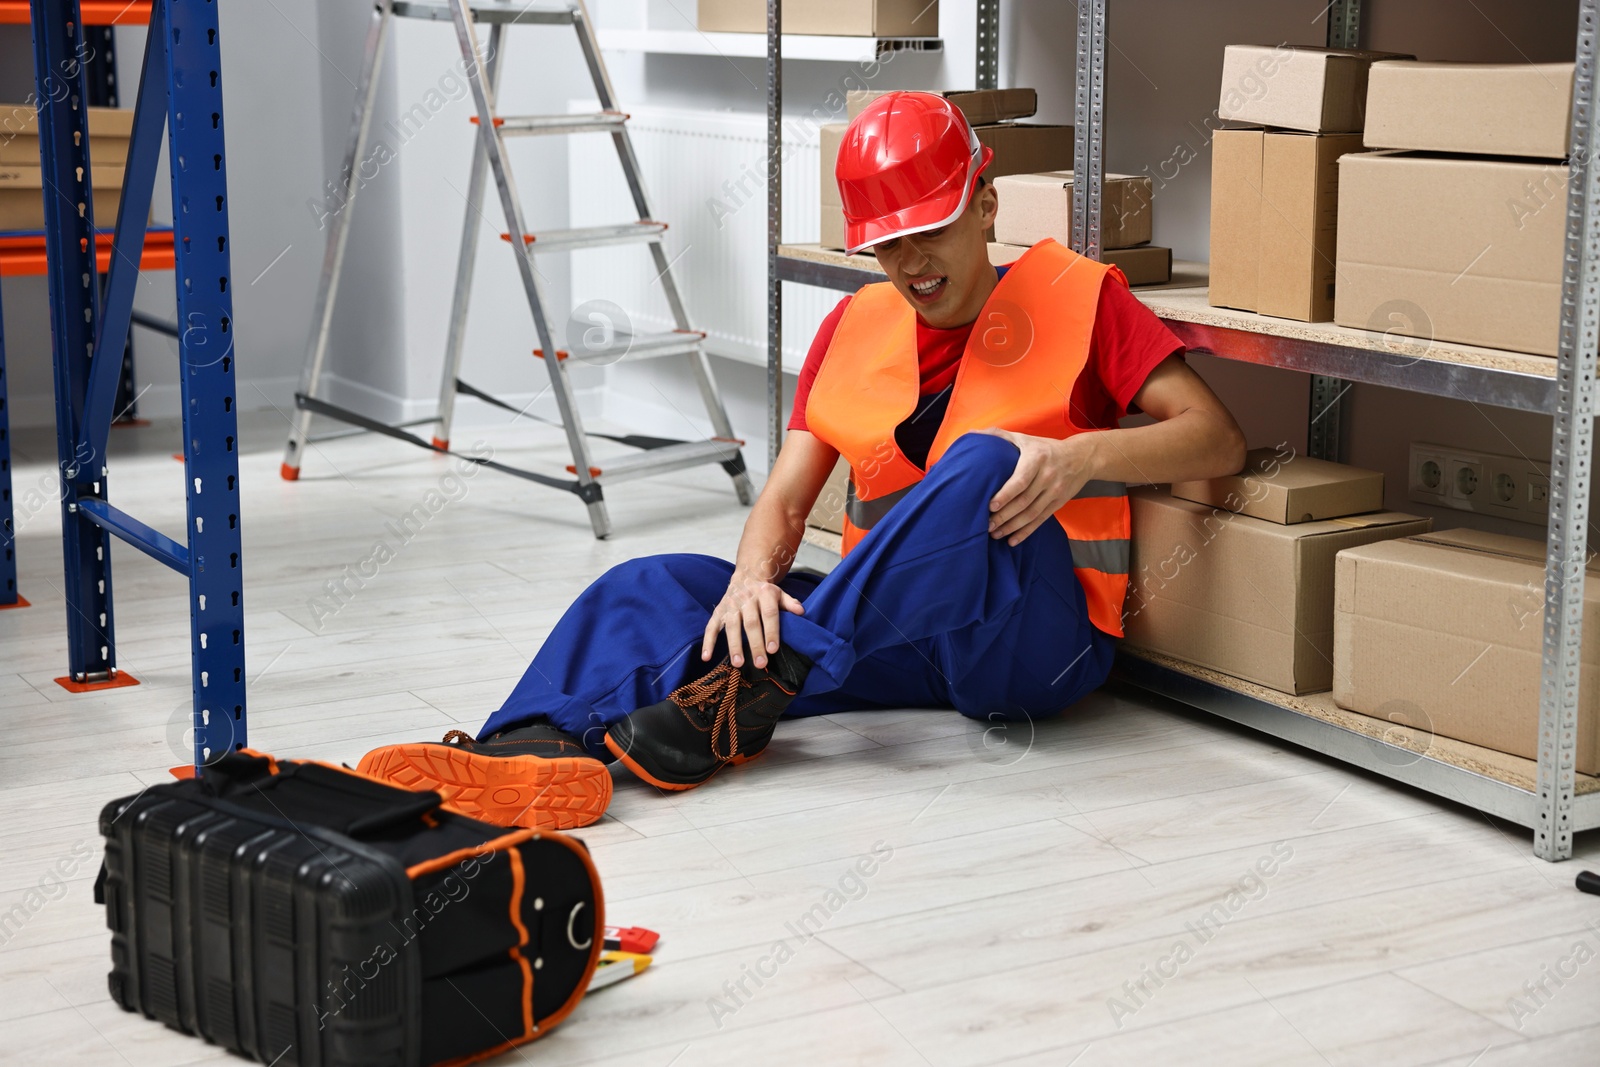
(908, 163)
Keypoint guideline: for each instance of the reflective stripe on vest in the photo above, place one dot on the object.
(1023, 357)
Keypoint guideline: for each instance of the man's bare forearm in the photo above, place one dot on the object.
(1197, 443)
(771, 537)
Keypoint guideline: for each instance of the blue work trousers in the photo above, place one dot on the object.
(927, 611)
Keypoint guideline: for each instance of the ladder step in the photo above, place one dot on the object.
(630, 347)
(534, 125)
(537, 12)
(666, 458)
(592, 236)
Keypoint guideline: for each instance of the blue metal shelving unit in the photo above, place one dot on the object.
(180, 89)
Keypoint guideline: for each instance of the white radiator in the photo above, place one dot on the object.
(703, 174)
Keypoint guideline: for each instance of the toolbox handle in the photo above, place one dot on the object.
(340, 800)
(412, 809)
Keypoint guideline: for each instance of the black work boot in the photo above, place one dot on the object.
(725, 716)
(534, 776)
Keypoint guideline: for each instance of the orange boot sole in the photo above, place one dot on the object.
(526, 791)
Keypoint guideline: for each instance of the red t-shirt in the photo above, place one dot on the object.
(1127, 343)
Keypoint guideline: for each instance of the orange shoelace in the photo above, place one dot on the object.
(457, 737)
(721, 687)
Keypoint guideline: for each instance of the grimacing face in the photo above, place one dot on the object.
(945, 273)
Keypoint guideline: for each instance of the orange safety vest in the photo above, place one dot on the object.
(1028, 347)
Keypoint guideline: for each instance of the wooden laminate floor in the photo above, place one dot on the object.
(1130, 884)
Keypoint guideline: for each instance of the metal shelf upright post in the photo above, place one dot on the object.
(1571, 452)
(1325, 421)
(180, 89)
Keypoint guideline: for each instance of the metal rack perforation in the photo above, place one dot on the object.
(1554, 808)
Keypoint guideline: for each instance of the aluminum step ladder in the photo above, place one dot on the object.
(589, 475)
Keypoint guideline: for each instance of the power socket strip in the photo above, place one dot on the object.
(1510, 487)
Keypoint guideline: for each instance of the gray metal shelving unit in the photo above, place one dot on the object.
(1550, 804)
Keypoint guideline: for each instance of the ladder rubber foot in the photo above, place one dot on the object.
(442, 444)
(122, 679)
(21, 602)
(288, 473)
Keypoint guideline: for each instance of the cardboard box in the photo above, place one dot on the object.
(1026, 148)
(22, 196)
(832, 206)
(110, 129)
(1490, 109)
(1036, 206)
(1466, 250)
(1142, 265)
(1288, 488)
(1445, 632)
(982, 107)
(1241, 595)
(1275, 221)
(827, 18)
(1318, 90)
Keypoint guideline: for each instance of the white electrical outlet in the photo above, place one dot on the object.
(1464, 477)
(1509, 487)
(1427, 475)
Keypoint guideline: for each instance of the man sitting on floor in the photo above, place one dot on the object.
(987, 528)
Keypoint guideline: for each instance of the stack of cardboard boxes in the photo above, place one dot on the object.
(1237, 574)
(1444, 631)
(22, 180)
(1019, 147)
(1287, 575)
(1275, 185)
(1456, 231)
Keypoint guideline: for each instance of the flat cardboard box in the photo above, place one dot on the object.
(1444, 632)
(1241, 595)
(982, 107)
(1275, 221)
(110, 129)
(1026, 148)
(1453, 249)
(22, 196)
(1317, 90)
(1283, 487)
(1489, 109)
(1143, 264)
(827, 18)
(1036, 206)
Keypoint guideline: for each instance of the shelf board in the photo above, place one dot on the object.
(23, 254)
(93, 12)
(1463, 372)
(1481, 778)
(754, 45)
